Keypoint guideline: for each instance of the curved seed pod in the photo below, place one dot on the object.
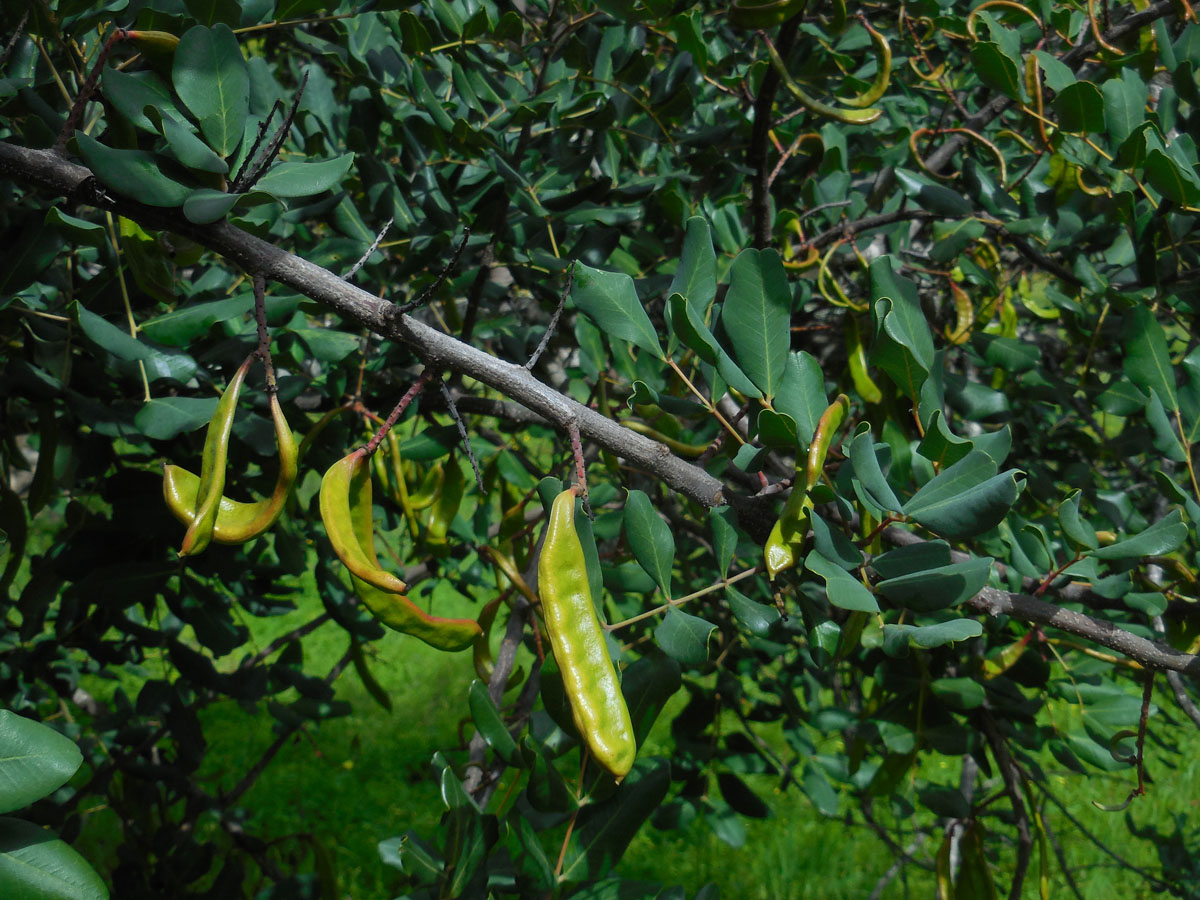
(400, 614)
(163, 41)
(589, 679)
(212, 467)
(827, 427)
(238, 522)
(837, 113)
(883, 74)
(856, 355)
(346, 511)
(347, 519)
(445, 507)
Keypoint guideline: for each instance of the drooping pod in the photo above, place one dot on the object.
(237, 522)
(345, 502)
(589, 679)
(211, 484)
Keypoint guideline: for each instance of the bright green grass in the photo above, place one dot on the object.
(356, 780)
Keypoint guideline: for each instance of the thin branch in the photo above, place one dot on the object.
(247, 179)
(1012, 786)
(462, 434)
(1157, 883)
(426, 295)
(362, 261)
(398, 410)
(562, 300)
(756, 152)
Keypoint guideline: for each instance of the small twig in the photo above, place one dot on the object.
(900, 862)
(374, 246)
(1157, 883)
(257, 769)
(266, 157)
(462, 433)
(398, 410)
(284, 639)
(541, 347)
(86, 90)
(12, 41)
(277, 106)
(426, 295)
(1147, 694)
(1011, 774)
(821, 207)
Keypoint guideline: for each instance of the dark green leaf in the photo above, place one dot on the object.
(650, 539)
(966, 499)
(490, 725)
(802, 394)
(1147, 362)
(757, 618)
(34, 864)
(605, 829)
(163, 418)
(1080, 108)
(1162, 537)
(933, 589)
(134, 173)
(996, 69)
(35, 760)
(723, 521)
(304, 179)
(610, 300)
(696, 276)
(757, 317)
(159, 363)
(842, 588)
(684, 637)
(864, 457)
(211, 78)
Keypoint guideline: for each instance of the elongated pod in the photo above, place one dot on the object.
(577, 639)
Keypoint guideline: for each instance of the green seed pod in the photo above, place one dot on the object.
(577, 639)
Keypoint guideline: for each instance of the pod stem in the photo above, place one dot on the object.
(409, 396)
(263, 351)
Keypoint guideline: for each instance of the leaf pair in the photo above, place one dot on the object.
(346, 511)
(199, 501)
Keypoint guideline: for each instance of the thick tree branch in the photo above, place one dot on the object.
(995, 602)
(50, 172)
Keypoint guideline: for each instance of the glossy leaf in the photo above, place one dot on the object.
(842, 588)
(34, 760)
(210, 76)
(1080, 108)
(34, 864)
(650, 539)
(610, 300)
(696, 275)
(683, 636)
(929, 590)
(757, 317)
(1162, 537)
(757, 618)
(134, 173)
(966, 499)
(802, 394)
(304, 179)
